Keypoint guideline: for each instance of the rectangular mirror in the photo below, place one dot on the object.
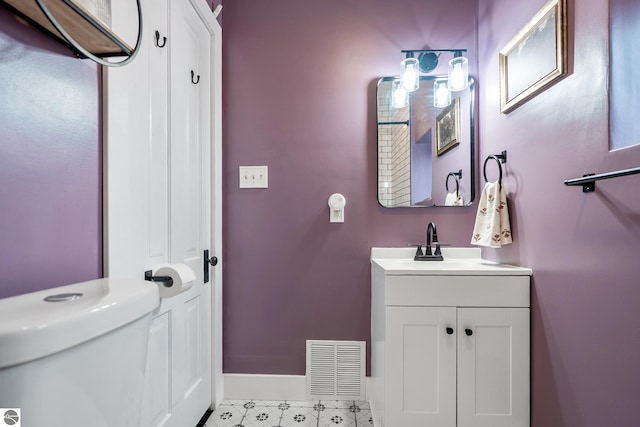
(425, 153)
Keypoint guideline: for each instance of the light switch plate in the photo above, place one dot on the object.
(254, 177)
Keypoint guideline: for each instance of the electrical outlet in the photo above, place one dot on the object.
(254, 177)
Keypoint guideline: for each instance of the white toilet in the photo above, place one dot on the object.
(75, 355)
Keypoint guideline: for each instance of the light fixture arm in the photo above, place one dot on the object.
(457, 52)
(428, 58)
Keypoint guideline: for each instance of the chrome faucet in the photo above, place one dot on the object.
(430, 254)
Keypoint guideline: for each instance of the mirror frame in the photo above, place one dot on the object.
(472, 143)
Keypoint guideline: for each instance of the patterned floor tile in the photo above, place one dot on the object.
(299, 417)
(235, 402)
(337, 404)
(302, 403)
(364, 405)
(226, 416)
(364, 419)
(337, 418)
(291, 413)
(268, 402)
(262, 416)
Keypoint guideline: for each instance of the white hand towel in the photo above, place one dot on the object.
(492, 226)
(453, 199)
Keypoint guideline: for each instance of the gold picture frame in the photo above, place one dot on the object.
(448, 127)
(535, 58)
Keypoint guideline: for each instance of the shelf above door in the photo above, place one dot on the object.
(96, 37)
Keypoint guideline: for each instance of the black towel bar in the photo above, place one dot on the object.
(588, 181)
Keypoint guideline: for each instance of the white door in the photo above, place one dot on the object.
(421, 367)
(493, 367)
(183, 323)
(158, 146)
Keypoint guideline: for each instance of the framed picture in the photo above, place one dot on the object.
(448, 127)
(535, 58)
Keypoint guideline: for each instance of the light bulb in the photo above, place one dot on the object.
(441, 94)
(458, 73)
(399, 96)
(410, 75)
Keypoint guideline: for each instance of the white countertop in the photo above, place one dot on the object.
(457, 262)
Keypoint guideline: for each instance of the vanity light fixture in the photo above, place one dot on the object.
(410, 77)
(427, 61)
(441, 93)
(399, 96)
(458, 72)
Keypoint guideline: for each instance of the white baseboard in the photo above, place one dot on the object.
(268, 387)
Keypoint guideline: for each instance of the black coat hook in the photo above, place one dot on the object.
(164, 40)
(194, 81)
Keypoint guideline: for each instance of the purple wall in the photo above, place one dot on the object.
(50, 164)
(583, 248)
(299, 95)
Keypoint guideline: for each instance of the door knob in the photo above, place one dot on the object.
(449, 331)
(213, 261)
(469, 332)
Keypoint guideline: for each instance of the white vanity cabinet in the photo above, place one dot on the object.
(450, 341)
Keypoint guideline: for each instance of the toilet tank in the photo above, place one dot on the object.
(75, 355)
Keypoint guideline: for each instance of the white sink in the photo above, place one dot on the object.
(457, 262)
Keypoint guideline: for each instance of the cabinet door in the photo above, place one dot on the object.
(421, 367)
(493, 367)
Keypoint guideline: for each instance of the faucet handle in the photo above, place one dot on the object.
(437, 252)
(419, 250)
(418, 247)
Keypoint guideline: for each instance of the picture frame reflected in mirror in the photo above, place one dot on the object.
(448, 127)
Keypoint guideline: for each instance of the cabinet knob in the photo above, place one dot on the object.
(469, 332)
(449, 331)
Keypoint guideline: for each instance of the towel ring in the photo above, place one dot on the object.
(455, 176)
(499, 158)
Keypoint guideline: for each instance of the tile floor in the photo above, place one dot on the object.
(290, 413)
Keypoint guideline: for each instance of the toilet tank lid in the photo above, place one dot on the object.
(31, 327)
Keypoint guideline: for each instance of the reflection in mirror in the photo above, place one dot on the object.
(624, 30)
(425, 153)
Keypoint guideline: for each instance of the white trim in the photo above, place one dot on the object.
(216, 209)
(269, 387)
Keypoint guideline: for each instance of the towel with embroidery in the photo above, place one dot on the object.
(492, 227)
(453, 199)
